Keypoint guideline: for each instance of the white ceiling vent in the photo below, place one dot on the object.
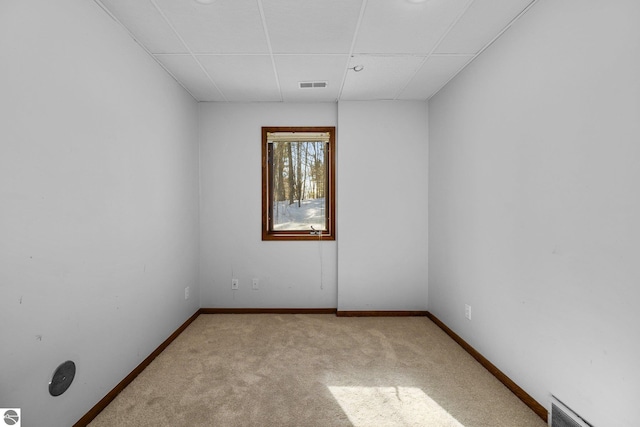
(312, 85)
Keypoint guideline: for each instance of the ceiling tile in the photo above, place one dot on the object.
(400, 26)
(311, 40)
(435, 72)
(382, 77)
(293, 69)
(243, 78)
(233, 26)
(480, 24)
(146, 24)
(190, 74)
(310, 26)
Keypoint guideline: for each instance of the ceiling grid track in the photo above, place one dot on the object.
(204, 70)
(363, 6)
(486, 46)
(135, 39)
(273, 60)
(442, 37)
(518, 16)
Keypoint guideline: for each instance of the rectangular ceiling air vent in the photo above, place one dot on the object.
(306, 85)
(562, 416)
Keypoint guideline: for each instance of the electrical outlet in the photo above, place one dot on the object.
(254, 283)
(467, 311)
(234, 283)
(186, 292)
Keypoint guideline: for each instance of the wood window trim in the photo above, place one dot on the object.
(289, 235)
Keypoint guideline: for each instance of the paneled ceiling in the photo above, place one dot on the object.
(260, 50)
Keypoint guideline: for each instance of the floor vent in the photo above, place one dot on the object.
(562, 416)
(305, 85)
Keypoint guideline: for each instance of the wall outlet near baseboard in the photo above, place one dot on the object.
(234, 284)
(255, 284)
(186, 292)
(467, 311)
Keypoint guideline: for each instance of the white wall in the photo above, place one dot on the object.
(382, 205)
(534, 205)
(98, 205)
(291, 274)
(382, 152)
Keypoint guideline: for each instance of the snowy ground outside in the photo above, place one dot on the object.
(291, 217)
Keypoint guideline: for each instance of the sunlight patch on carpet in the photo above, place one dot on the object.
(391, 406)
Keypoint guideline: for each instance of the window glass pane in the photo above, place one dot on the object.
(298, 180)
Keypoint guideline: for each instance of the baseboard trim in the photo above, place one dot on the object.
(379, 313)
(504, 379)
(267, 310)
(108, 398)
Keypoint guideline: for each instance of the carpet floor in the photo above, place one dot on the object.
(315, 370)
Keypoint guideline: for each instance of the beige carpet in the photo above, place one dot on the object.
(315, 370)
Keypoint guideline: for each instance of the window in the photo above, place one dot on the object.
(298, 183)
